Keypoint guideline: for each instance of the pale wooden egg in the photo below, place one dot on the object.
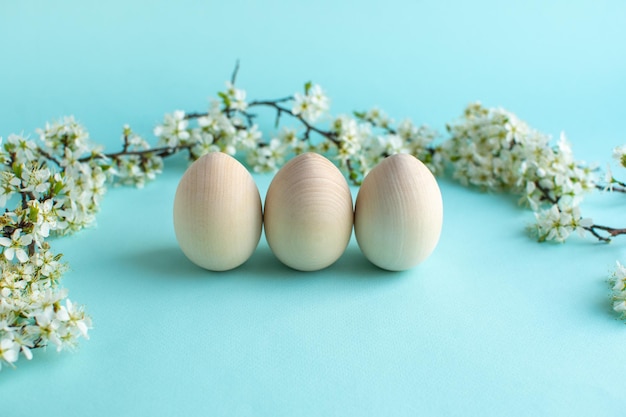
(398, 214)
(308, 213)
(217, 213)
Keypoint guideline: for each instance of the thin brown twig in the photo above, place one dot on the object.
(163, 152)
(546, 193)
(611, 231)
(308, 126)
(611, 188)
(233, 77)
(592, 230)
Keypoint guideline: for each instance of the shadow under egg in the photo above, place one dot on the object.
(170, 263)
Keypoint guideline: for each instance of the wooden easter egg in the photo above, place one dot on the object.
(398, 213)
(217, 213)
(308, 213)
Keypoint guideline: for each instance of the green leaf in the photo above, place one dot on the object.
(33, 214)
(307, 87)
(18, 169)
(58, 187)
(225, 98)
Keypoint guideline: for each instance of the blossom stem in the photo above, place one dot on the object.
(163, 152)
(546, 193)
(195, 115)
(619, 188)
(611, 231)
(48, 156)
(233, 77)
(275, 104)
(618, 182)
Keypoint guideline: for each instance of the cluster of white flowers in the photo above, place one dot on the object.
(53, 185)
(76, 176)
(356, 143)
(364, 140)
(271, 156)
(610, 182)
(136, 164)
(618, 283)
(494, 150)
(46, 188)
(221, 129)
(34, 311)
(618, 278)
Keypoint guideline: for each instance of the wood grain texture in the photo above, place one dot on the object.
(308, 213)
(398, 213)
(217, 213)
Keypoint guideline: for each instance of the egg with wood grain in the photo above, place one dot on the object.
(217, 213)
(398, 213)
(308, 213)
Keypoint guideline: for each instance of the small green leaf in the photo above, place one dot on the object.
(34, 213)
(307, 87)
(225, 98)
(17, 169)
(58, 187)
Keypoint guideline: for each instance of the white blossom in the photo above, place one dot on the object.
(268, 158)
(236, 98)
(248, 138)
(558, 223)
(173, 132)
(9, 351)
(619, 154)
(9, 185)
(16, 245)
(66, 134)
(311, 105)
(289, 137)
(618, 283)
(23, 148)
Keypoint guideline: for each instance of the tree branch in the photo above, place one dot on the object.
(610, 231)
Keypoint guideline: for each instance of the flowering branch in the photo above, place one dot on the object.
(280, 110)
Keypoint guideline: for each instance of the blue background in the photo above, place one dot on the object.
(491, 324)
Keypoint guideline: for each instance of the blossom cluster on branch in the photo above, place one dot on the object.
(493, 149)
(52, 185)
(49, 187)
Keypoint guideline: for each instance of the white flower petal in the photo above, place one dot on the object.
(619, 306)
(21, 254)
(9, 254)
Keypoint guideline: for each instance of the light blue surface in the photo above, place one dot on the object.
(491, 324)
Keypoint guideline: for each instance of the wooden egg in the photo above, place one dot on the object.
(308, 213)
(217, 213)
(398, 214)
